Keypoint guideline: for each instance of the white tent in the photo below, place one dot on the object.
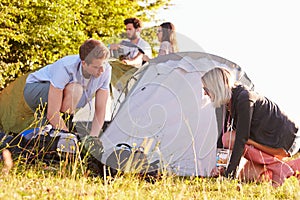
(167, 114)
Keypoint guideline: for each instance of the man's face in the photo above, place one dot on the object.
(95, 68)
(131, 32)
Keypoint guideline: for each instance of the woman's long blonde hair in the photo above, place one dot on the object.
(219, 83)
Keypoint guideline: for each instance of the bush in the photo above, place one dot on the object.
(34, 33)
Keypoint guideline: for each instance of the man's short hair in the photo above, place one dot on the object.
(93, 49)
(135, 21)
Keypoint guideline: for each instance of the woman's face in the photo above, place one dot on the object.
(206, 91)
(159, 33)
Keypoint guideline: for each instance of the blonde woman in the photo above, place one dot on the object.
(257, 120)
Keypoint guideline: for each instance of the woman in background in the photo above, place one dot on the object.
(167, 37)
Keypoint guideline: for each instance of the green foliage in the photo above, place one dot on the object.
(150, 35)
(34, 33)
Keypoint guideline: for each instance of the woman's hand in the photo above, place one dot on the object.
(217, 171)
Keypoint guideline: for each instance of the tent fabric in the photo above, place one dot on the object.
(15, 115)
(120, 73)
(167, 114)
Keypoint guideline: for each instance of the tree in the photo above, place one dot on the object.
(34, 33)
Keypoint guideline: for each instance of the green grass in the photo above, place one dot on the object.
(40, 181)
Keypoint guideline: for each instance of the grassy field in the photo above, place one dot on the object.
(71, 181)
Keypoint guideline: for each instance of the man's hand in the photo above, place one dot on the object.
(146, 58)
(93, 145)
(114, 46)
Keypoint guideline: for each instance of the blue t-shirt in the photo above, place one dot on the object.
(69, 70)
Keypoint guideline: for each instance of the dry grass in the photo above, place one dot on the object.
(40, 181)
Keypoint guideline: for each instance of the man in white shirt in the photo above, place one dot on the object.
(70, 83)
(133, 54)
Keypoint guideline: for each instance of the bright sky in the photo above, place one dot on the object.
(261, 36)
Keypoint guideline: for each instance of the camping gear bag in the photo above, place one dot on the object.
(131, 159)
(52, 146)
(45, 144)
(49, 144)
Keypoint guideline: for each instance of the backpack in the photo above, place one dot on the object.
(126, 159)
(45, 144)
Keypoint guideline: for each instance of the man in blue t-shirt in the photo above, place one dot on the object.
(70, 83)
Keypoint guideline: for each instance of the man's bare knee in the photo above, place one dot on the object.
(74, 90)
(71, 97)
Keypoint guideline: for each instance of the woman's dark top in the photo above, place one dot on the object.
(259, 119)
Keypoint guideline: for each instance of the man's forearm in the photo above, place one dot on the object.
(96, 125)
